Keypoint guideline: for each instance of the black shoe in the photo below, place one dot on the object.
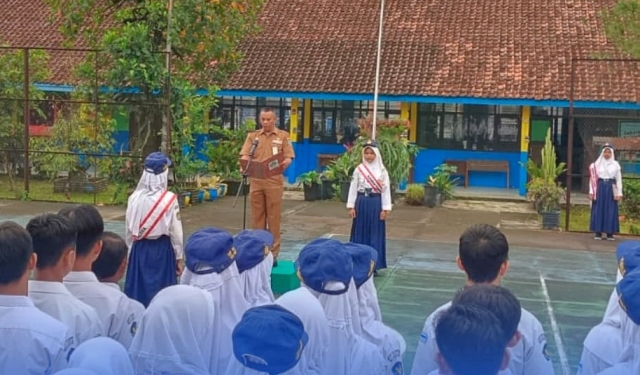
(275, 263)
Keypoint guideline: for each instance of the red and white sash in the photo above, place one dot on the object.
(154, 215)
(593, 178)
(368, 176)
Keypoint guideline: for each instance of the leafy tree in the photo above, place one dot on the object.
(203, 34)
(12, 110)
(622, 26)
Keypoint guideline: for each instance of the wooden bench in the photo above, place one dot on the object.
(466, 166)
(326, 159)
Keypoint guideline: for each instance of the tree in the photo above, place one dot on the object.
(622, 26)
(203, 35)
(12, 125)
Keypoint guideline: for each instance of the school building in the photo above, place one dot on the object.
(479, 81)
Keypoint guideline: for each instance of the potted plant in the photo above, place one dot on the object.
(543, 190)
(439, 186)
(340, 171)
(414, 195)
(310, 182)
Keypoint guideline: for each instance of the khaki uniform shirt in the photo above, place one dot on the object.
(269, 144)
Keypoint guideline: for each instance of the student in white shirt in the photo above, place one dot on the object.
(103, 356)
(268, 340)
(254, 260)
(54, 241)
(120, 315)
(471, 341)
(483, 255)
(31, 342)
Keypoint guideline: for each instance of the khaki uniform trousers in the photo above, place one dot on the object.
(266, 208)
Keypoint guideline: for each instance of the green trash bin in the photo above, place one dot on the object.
(284, 278)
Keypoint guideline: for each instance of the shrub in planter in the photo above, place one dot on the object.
(310, 182)
(414, 195)
(630, 205)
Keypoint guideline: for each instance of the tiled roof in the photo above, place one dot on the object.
(458, 48)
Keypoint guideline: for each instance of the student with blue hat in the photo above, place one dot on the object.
(254, 262)
(268, 340)
(211, 265)
(325, 267)
(390, 343)
(153, 233)
(369, 202)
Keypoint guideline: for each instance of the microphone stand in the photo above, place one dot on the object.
(242, 187)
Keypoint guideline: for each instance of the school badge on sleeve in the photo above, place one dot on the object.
(134, 329)
(545, 352)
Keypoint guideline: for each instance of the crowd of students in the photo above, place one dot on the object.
(62, 310)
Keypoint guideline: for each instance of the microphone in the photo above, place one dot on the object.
(254, 144)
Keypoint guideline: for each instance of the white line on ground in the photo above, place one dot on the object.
(564, 362)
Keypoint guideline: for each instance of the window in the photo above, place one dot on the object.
(469, 127)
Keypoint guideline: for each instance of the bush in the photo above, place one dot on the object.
(631, 199)
(415, 194)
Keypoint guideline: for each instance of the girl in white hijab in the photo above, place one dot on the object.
(314, 360)
(102, 356)
(390, 343)
(153, 233)
(326, 269)
(605, 191)
(369, 202)
(176, 333)
(255, 262)
(210, 265)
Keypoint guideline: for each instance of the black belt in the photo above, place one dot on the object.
(607, 179)
(364, 194)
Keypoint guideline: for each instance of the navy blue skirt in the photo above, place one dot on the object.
(368, 229)
(604, 210)
(152, 267)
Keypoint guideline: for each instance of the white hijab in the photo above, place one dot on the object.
(176, 333)
(230, 305)
(607, 168)
(102, 356)
(257, 283)
(149, 189)
(349, 352)
(376, 166)
(629, 360)
(307, 308)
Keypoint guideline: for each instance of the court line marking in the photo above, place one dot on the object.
(564, 362)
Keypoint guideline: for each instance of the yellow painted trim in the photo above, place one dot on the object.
(293, 128)
(525, 129)
(413, 118)
(404, 110)
(307, 119)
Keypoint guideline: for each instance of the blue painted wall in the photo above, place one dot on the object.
(427, 160)
(307, 157)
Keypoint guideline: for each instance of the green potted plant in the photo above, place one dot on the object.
(543, 190)
(414, 195)
(340, 172)
(439, 186)
(310, 182)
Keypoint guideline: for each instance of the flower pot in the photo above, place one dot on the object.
(430, 196)
(234, 186)
(344, 191)
(550, 220)
(183, 199)
(311, 192)
(325, 190)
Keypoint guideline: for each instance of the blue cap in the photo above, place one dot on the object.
(371, 143)
(156, 163)
(75, 371)
(364, 261)
(251, 248)
(322, 261)
(269, 339)
(265, 236)
(628, 254)
(629, 295)
(209, 247)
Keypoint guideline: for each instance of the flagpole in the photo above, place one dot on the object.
(377, 78)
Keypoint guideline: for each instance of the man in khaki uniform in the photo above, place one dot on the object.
(266, 193)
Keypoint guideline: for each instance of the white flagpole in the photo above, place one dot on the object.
(377, 79)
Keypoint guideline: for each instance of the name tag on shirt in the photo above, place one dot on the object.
(275, 146)
(274, 150)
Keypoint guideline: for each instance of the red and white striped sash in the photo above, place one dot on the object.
(376, 186)
(154, 215)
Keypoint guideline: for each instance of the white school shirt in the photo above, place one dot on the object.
(504, 372)
(120, 315)
(528, 357)
(56, 300)
(31, 342)
(359, 184)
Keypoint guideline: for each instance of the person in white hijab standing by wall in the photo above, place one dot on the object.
(210, 265)
(103, 356)
(307, 307)
(605, 192)
(325, 267)
(176, 334)
(254, 260)
(369, 202)
(391, 343)
(153, 233)
(268, 340)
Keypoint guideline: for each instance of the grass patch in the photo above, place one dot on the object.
(581, 217)
(42, 190)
